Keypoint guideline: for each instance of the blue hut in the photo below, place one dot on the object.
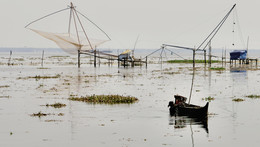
(238, 55)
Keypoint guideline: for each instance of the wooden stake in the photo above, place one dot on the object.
(95, 58)
(78, 59)
(9, 61)
(193, 57)
(205, 60)
(42, 57)
(146, 61)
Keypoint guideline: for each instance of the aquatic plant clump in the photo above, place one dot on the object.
(238, 100)
(217, 68)
(39, 114)
(191, 61)
(209, 99)
(56, 105)
(45, 77)
(253, 96)
(106, 99)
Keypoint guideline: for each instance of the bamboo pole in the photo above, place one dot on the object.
(146, 61)
(42, 57)
(95, 58)
(194, 58)
(78, 59)
(205, 59)
(9, 61)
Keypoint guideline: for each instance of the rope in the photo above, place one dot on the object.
(45, 17)
(216, 29)
(175, 54)
(94, 24)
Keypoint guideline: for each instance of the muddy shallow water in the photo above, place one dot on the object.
(144, 123)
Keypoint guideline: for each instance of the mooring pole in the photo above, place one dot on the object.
(99, 60)
(95, 58)
(78, 58)
(146, 61)
(205, 60)
(222, 57)
(225, 56)
(124, 62)
(9, 62)
(210, 53)
(118, 61)
(193, 57)
(42, 57)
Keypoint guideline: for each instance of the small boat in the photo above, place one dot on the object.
(181, 108)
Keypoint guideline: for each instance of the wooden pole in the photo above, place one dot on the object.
(99, 60)
(193, 57)
(95, 58)
(42, 57)
(124, 62)
(210, 53)
(222, 59)
(146, 61)
(9, 61)
(140, 61)
(225, 56)
(118, 61)
(205, 60)
(78, 59)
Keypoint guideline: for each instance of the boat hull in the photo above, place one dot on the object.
(192, 111)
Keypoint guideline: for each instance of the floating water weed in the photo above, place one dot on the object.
(43, 68)
(106, 99)
(253, 96)
(238, 100)
(37, 77)
(190, 61)
(209, 99)
(56, 105)
(39, 114)
(4, 86)
(217, 68)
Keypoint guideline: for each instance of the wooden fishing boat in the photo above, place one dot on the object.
(181, 108)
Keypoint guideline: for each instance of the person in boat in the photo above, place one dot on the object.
(179, 100)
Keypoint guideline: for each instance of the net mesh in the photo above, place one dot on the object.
(69, 42)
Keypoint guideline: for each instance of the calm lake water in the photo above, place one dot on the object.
(144, 123)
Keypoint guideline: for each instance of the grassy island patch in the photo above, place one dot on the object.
(105, 99)
(190, 61)
(56, 105)
(238, 100)
(209, 99)
(39, 114)
(253, 96)
(217, 68)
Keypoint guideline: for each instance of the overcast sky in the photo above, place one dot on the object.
(178, 22)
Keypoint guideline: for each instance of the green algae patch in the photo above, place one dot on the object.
(209, 99)
(190, 61)
(4, 86)
(253, 96)
(45, 77)
(217, 68)
(105, 99)
(39, 114)
(56, 105)
(238, 100)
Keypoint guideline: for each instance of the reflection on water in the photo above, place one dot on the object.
(180, 122)
(238, 69)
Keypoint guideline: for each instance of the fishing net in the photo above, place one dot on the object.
(81, 33)
(69, 42)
